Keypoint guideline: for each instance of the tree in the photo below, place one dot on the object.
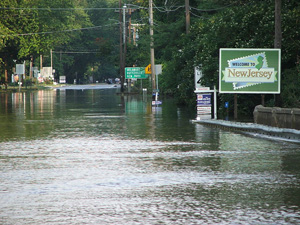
(244, 24)
(35, 27)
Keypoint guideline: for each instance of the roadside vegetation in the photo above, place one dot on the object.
(84, 38)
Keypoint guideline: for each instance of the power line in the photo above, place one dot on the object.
(202, 17)
(165, 9)
(216, 9)
(159, 8)
(52, 32)
(57, 9)
(62, 31)
(209, 10)
(77, 52)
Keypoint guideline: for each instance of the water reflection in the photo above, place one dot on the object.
(94, 157)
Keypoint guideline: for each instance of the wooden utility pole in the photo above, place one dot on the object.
(5, 76)
(278, 33)
(152, 45)
(121, 48)
(278, 37)
(187, 16)
(129, 26)
(31, 67)
(41, 63)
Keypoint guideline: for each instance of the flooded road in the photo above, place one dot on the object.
(92, 157)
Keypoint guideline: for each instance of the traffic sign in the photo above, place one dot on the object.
(135, 73)
(148, 69)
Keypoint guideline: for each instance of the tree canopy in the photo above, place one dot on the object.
(84, 36)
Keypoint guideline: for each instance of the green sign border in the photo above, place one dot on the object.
(273, 60)
(135, 73)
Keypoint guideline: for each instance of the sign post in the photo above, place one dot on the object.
(20, 71)
(204, 102)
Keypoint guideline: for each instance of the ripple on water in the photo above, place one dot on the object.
(77, 180)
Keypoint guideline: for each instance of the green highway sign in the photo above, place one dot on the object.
(135, 73)
(255, 71)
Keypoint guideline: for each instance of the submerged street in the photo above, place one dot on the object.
(90, 156)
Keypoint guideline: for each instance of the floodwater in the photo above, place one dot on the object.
(93, 157)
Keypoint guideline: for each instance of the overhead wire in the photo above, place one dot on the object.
(62, 31)
(209, 10)
(160, 9)
(76, 52)
(52, 32)
(164, 9)
(57, 9)
(201, 17)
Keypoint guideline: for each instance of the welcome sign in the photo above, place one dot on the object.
(249, 71)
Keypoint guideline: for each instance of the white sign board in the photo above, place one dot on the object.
(203, 110)
(35, 72)
(46, 72)
(62, 79)
(20, 69)
(158, 69)
(198, 76)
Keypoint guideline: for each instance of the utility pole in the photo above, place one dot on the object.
(278, 33)
(31, 67)
(187, 16)
(278, 38)
(152, 46)
(41, 63)
(129, 26)
(124, 24)
(51, 59)
(121, 48)
(124, 40)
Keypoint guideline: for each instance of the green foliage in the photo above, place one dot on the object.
(248, 24)
(215, 24)
(30, 28)
(27, 82)
(291, 90)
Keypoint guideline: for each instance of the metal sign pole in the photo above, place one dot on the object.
(215, 103)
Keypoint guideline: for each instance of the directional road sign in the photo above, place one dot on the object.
(135, 73)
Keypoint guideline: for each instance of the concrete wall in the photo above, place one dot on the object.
(277, 117)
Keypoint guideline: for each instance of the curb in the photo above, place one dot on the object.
(256, 130)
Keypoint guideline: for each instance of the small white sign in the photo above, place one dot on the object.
(203, 110)
(203, 89)
(158, 69)
(20, 69)
(62, 79)
(156, 102)
(198, 76)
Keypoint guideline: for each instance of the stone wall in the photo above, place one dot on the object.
(277, 117)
